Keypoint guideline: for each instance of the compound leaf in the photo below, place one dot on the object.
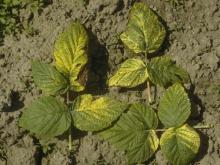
(48, 79)
(174, 106)
(134, 133)
(70, 54)
(180, 145)
(46, 117)
(132, 72)
(163, 71)
(95, 115)
(144, 32)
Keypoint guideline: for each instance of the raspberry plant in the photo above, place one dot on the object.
(136, 130)
(49, 116)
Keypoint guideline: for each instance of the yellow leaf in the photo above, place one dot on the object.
(70, 54)
(95, 115)
(180, 145)
(132, 72)
(144, 33)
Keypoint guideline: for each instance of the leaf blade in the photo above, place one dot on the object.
(180, 145)
(70, 54)
(134, 133)
(95, 115)
(144, 32)
(131, 73)
(163, 71)
(174, 107)
(47, 117)
(48, 79)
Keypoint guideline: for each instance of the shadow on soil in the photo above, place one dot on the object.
(98, 67)
(16, 103)
(195, 118)
(204, 144)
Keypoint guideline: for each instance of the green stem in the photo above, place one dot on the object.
(70, 129)
(70, 139)
(196, 127)
(148, 82)
(160, 130)
(149, 92)
(203, 126)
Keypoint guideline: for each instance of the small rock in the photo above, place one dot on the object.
(211, 60)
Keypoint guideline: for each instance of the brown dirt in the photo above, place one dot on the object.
(193, 42)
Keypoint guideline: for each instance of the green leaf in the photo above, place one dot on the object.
(134, 133)
(144, 33)
(174, 106)
(71, 54)
(95, 115)
(46, 117)
(180, 145)
(163, 71)
(132, 72)
(48, 79)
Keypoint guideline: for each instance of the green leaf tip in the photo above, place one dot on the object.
(48, 79)
(164, 72)
(180, 145)
(46, 118)
(70, 55)
(174, 106)
(94, 115)
(144, 33)
(134, 133)
(132, 72)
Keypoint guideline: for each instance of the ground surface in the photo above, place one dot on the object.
(193, 42)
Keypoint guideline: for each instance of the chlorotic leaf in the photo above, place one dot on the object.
(95, 115)
(134, 133)
(71, 54)
(132, 72)
(48, 79)
(144, 33)
(46, 117)
(174, 106)
(180, 145)
(164, 72)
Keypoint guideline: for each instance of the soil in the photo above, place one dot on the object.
(193, 41)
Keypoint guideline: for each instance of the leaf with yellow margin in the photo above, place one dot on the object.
(70, 54)
(144, 33)
(180, 145)
(95, 115)
(135, 133)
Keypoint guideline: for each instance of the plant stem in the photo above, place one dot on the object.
(203, 126)
(148, 92)
(70, 129)
(148, 82)
(70, 139)
(160, 130)
(196, 127)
